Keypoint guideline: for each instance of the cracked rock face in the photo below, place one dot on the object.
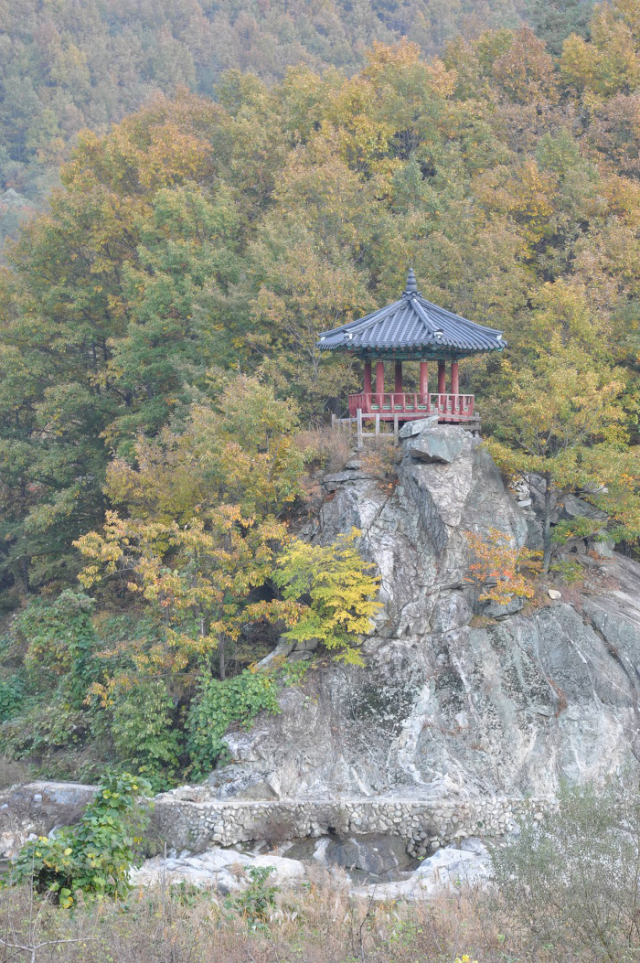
(445, 706)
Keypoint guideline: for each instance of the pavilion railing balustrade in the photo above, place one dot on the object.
(390, 404)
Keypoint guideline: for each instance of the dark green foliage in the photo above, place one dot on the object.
(43, 728)
(218, 705)
(11, 696)
(61, 642)
(145, 734)
(92, 858)
(554, 20)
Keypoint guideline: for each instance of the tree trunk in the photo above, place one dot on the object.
(222, 669)
(546, 525)
(24, 566)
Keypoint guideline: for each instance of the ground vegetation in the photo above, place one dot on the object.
(564, 887)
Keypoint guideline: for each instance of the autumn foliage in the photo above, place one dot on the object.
(158, 348)
(501, 570)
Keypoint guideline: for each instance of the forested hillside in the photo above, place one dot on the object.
(157, 355)
(66, 65)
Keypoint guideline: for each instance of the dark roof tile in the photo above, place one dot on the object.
(412, 324)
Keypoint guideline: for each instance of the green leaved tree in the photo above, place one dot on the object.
(562, 417)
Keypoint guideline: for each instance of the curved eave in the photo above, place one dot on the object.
(412, 325)
(417, 349)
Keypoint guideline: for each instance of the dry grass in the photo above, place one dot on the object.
(329, 450)
(12, 772)
(318, 923)
(379, 458)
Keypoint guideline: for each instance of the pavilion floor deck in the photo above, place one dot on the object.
(406, 406)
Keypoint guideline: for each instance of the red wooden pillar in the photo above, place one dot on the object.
(367, 386)
(442, 378)
(367, 377)
(398, 381)
(455, 380)
(380, 381)
(424, 378)
(424, 384)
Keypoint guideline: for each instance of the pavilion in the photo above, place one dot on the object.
(412, 329)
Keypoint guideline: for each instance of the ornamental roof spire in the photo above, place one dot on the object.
(412, 287)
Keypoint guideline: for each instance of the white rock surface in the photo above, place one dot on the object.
(223, 869)
(445, 707)
(448, 869)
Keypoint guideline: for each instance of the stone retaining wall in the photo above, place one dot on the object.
(423, 825)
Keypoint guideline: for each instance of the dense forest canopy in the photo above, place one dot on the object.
(225, 234)
(66, 65)
(158, 359)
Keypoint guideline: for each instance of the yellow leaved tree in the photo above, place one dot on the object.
(499, 568)
(337, 591)
(196, 578)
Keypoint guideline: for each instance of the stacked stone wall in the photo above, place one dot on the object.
(423, 825)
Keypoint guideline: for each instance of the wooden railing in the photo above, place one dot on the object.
(391, 404)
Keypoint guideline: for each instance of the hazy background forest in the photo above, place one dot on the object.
(161, 395)
(66, 65)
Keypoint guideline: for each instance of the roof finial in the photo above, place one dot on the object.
(412, 287)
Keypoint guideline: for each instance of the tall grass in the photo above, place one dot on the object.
(318, 923)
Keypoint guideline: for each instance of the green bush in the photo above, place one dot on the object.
(258, 900)
(11, 697)
(143, 731)
(218, 705)
(45, 728)
(92, 858)
(61, 643)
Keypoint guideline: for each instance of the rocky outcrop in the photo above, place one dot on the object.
(36, 808)
(465, 714)
(452, 704)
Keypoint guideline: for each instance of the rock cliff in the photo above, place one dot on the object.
(455, 700)
(465, 715)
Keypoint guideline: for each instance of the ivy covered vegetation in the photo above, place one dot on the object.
(93, 858)
(158, 361)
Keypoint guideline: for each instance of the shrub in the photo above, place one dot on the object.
(570, 571)
(45, 728)
(92, 858)
(258, 900)
(573, 876)
(499, 568)
(144, 735)
(11, 697)
(219, 704)
(379, 458)
(61, 643)
(325, 448)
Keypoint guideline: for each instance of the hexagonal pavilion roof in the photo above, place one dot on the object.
(413, 327)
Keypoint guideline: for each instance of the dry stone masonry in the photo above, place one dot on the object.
(197, 825)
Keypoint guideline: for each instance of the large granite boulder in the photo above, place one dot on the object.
(449, 704)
